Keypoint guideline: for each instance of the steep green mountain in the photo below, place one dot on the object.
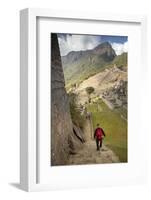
(80, 65)
(120, 60)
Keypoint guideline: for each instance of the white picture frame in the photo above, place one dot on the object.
(29, 166)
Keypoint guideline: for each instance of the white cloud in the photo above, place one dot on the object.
(120, 48)
(85, 42)
(77, 43)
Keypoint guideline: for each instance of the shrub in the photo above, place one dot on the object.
(77, 118)
(89, 90)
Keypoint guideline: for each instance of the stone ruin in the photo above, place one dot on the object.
(116, 96)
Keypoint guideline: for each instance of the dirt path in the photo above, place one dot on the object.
(89, 155)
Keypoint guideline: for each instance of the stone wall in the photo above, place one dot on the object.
(66, 138)
(61, 124)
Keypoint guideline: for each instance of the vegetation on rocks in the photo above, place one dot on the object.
(76, 115)
(120, 60)
(79, 65)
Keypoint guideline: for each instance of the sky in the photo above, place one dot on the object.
(75, 42)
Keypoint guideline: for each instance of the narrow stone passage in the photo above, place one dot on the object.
(88, 154)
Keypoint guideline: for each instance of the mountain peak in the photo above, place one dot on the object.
(101, 54)
(105, 46)
(105, 49)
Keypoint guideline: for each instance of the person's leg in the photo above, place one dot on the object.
(97, 144)
(100, 143)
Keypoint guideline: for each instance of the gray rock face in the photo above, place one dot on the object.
(61, 124)
(66, 138)
(79, 134)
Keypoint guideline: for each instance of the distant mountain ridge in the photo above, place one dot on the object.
(80, 65)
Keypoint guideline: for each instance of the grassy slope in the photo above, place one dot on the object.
(114, 126)
(83, 69)
(120, 60)
(77, 72)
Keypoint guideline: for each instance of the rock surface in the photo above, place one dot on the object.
(61, 124)
(63, 139)
(89, 155)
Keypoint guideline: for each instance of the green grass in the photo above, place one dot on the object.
(114, 126)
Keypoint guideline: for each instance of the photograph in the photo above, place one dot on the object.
(89, 99)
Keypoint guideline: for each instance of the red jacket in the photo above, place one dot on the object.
(98, 134)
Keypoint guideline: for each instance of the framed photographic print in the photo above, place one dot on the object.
(81, 78)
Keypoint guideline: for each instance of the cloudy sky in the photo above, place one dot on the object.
(72, 42)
